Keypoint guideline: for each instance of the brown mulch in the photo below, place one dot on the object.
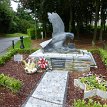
(13, 69)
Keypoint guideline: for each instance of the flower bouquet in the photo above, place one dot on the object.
(30, 66)
(42, 64)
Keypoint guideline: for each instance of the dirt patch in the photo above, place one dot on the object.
(36, 43)
(79, 44)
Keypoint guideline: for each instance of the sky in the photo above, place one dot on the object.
(14, 5)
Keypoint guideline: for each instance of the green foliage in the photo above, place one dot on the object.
(7, 57)
(20, 25)
(13, 22)
(92, 83)
(6, 16)
(23, 25)
(31, 33)
(14, 27)
(22, 20)
(11, 83)
(90, 103)
(23, 14)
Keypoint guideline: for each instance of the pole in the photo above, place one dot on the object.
(13, 44)
(22, 44)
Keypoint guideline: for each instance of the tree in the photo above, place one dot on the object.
(103, 11)
(97, 3)
(77, 15)
(6, 15)
(24, 14)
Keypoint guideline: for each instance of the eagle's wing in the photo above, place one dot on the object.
(57, 23)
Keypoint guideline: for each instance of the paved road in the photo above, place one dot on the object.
(6, 43)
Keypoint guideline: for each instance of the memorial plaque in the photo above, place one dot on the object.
(58, 62)
(18, 57)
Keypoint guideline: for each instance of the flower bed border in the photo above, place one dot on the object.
(90, 93)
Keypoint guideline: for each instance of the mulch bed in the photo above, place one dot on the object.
(13, 69)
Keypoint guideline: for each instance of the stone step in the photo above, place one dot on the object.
(50, 91)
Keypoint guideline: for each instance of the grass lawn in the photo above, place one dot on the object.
(14, 35)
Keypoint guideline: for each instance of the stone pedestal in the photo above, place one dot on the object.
(81, 60)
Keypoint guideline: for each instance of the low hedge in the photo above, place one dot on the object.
(103, 54)
(31, 33)
(11, 83)
(8, 55)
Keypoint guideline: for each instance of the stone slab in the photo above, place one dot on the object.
(52, 87)
(39, 53)
(33, 102)
(50, 92)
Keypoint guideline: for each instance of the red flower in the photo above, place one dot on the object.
(42, 63)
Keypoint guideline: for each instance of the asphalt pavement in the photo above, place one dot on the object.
(5, 43)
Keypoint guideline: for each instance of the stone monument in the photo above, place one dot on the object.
(60, 54)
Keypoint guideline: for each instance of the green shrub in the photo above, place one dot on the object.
(7, 56)
(2, 61)
(31, 33)
(94, 51)
(90, 103)
(25, 51)
(13, 84)
(103, 54)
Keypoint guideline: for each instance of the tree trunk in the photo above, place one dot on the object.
(42, 17)
(44, 29)
(101, 34)
(96, 19)
(102, 24)
(70, 19)
(86, 22)
(78, 29)
(35, 12)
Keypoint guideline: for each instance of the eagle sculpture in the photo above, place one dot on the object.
(59, 36)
